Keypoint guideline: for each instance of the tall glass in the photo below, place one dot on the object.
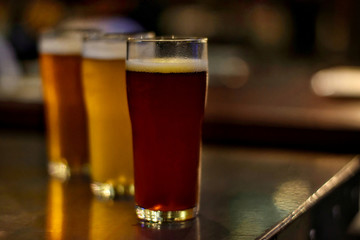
(110, 138)
(166, 86)
(60, 62)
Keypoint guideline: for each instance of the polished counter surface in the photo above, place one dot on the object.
(245, 193)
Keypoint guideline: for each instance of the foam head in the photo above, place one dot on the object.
(105, 49)
(167, 65)
(61, 43)
(109, 46)
(167, 55)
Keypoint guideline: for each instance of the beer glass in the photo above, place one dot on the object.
(110, 138)
(60, 63)
(166, 86)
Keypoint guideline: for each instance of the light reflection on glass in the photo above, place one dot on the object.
(105, 190)
(59, 170)
(289, 195)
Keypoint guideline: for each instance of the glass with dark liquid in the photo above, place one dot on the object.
(166, 89)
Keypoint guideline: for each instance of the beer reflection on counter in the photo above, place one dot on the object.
(175, 231)
(68, 209)
(111, 218)
(73, 213)
(199, 228)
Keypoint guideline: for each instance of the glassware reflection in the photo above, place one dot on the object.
(176, 230)
(74, 213)
(68, 209)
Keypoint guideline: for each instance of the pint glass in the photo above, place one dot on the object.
(110, 138)
(166, 87)
(60, 62)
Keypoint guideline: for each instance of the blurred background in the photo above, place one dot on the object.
(265, 87)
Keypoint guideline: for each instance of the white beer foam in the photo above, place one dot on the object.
(167, 65)
(104, 49)
(61, 45)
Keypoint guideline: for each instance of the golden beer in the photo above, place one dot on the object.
(109, 126)
(109, 123)
(60, 62)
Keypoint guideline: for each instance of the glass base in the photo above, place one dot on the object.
(110, 191)
(59, 170)
(157, 216)
(62, 171)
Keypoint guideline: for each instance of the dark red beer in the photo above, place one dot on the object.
(166, 111)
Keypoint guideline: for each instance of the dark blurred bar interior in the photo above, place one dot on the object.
(262, 59)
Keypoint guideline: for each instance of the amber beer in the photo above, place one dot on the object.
(60, 63)
(166, 103)
(110, 138)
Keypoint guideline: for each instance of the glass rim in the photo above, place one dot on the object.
(169, 39)
(113, 36)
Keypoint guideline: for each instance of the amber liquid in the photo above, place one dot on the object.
(67, 209)
(111, 153)
(166, 111)
(65, 111)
